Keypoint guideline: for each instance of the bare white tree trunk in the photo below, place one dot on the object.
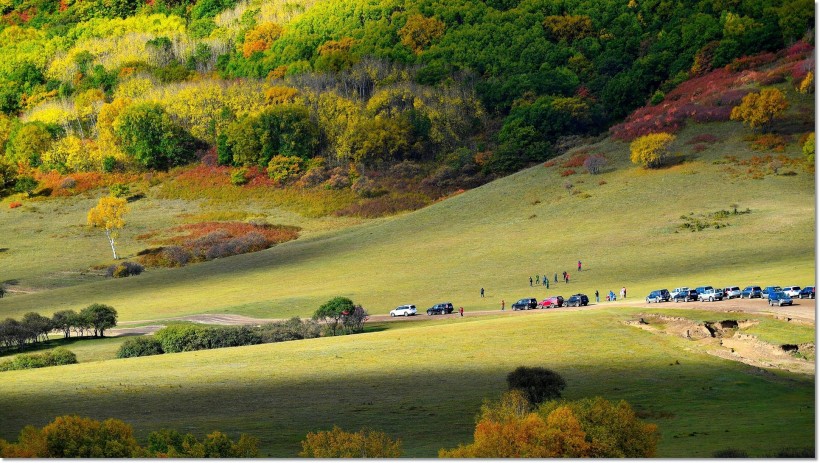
(111, 240)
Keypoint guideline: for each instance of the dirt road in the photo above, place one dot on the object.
(803, 310)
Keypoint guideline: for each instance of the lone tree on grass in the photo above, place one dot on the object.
(758, 110)
(108, 214)
(536, 383)
(652, 150)
(341, 312)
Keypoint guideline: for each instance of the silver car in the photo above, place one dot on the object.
(403, 310)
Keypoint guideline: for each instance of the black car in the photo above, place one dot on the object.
(525, 304)
(577, 300)
(807, 293)
(686, 296)
(441, 309)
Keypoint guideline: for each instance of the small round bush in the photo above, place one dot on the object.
(536, 383)
(124, 269)
(140, 347)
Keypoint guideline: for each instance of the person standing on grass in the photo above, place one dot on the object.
(579, 265)
(530, 281)
(623, 292)
(482, 292)
(502, 305)
(556, 278)
(461, 311)
(596, 296)
(567, 277)
(547, 283)
(537, 280)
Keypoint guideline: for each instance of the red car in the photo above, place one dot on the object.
(551, 302)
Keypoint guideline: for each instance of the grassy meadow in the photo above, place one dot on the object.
(424, 382)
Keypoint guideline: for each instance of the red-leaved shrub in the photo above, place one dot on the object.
(15, 204)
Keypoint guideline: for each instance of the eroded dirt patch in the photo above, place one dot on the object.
(726, 340)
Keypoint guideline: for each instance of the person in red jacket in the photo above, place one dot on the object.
(461, 311)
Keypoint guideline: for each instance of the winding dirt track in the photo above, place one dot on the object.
(803, 311)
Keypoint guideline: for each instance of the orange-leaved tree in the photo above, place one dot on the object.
(511, 428)
(108, 214)
(419, 32)
(758, 110)
(341, 444)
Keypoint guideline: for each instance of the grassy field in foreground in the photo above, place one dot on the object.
(424, 382)
(623, 225)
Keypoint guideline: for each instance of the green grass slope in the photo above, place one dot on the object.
(424, 382)
(623, 225)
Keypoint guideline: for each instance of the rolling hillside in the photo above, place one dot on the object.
(624, 224)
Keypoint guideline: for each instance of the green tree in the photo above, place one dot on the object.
(538, 384)
(333, 311)
(101, 317)
(25, 184)
(28, 143)
(76, 437)
(148, 134)
(38, 325)
(64, 321)
(652, 150)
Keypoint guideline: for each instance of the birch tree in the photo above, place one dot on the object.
(108, 214)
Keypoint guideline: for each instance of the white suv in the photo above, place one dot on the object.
(731, 292)
(405, 310)
(792, 291)
(710, 295)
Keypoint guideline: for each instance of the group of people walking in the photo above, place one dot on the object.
(546, 281)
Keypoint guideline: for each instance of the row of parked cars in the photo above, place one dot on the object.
(774, 294)
(576, 300)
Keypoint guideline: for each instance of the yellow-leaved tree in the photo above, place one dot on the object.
(652, 150)
(341, 444)
(586, 428)
(758, 110)
(108, 214)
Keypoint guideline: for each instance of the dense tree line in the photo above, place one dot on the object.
(90, 321)
(105, 85)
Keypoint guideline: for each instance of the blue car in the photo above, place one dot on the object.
(807, 293)
(750, 292)
(779, 299)
(769, 290)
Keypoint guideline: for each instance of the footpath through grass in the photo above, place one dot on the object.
(424, 382)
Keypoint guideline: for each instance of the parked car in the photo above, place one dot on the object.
(441, 309)
(750, 292)
(677, 291)
(403, 310)
(710, 295)
(731, 292)
(792, 291)
(807, 293)
(770, 290)
(659, 295)
(701, 289)
(525, 304)
(686, 296)
(577, 300)
(551, 302)
(779, 299)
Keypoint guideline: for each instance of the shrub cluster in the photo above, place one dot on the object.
(186, 338)
(58, 356)
(124, 269)
(211, 240)
(140, 347)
